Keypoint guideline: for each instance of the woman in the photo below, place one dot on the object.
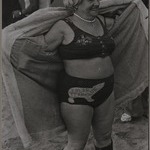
(86, 87)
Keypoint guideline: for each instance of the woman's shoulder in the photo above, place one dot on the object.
(62, 24)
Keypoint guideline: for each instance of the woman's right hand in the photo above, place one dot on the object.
(107, 3)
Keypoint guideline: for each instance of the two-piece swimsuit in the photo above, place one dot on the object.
(74, 90)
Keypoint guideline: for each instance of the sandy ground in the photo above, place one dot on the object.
(126, 136)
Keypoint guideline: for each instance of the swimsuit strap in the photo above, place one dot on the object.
(70, 23)
(103, 24)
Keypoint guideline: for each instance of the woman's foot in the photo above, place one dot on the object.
(126, 117)
(109, 147)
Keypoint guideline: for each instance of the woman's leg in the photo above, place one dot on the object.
(78, 122)
(102, 123)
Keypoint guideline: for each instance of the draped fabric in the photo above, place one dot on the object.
(30, 69)
(42, 118)
(130, 57)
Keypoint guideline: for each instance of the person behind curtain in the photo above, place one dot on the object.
(8, 6)
(57, 3)
(27, 7)
(50, 3)
(14, 10)
(86, 87)
(45, 3)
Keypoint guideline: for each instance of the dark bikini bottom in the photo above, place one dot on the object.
(78, 91)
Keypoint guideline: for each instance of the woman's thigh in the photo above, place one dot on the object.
(77, 119)
(102, 121)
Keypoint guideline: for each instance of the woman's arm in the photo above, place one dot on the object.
(107, 3)
(55, 36)
(110, 17)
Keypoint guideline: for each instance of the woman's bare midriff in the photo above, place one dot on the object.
(94, 68)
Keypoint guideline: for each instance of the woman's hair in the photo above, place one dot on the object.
(71, 3)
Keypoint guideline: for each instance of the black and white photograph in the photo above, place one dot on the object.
(75, 75)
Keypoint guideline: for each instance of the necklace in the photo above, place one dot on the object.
(89, 21)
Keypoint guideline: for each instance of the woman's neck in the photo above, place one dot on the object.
(84, 16)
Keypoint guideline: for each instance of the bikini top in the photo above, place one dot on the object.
(85, 45)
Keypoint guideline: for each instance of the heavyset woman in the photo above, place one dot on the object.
(31, 68)
(86, 87)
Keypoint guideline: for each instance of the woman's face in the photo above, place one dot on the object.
(89, 7)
